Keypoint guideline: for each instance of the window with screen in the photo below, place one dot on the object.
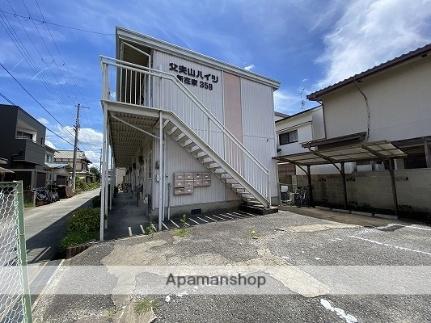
(288, 137)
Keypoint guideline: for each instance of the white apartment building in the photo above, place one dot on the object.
(193, 133)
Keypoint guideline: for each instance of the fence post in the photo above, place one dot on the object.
(23, 252)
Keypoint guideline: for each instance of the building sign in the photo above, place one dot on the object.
(190, 76)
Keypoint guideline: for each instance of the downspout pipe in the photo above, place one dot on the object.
(355, 81)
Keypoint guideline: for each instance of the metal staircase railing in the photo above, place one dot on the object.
(131, 83)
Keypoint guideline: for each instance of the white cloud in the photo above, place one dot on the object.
(371, 32)
(87, 136)
(50, 144)
(43, 121)
(290, 103)
(249, 67)
(94, 156)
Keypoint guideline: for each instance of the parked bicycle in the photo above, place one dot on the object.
(302, 197)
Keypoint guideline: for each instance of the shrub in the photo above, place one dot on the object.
(82, 227)
(85, 220)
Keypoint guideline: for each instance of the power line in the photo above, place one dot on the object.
(53, 132)
(36, 100)
(57, 24)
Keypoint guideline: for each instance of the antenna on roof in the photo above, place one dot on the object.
(302, 99)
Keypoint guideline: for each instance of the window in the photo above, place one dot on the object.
(24, 135)
(288, 137)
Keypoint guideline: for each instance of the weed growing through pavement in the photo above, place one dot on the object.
(182, 231)
(252, 233)
(145, 305)
(150, 229)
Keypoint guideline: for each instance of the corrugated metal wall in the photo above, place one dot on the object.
(178, 160)
(175, 100)
(258, 127)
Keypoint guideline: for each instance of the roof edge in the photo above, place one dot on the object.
(125, 33)
(315, 96)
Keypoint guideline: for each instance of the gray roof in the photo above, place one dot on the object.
(422, 51)
(69, 154)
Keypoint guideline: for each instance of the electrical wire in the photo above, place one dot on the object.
(57, 24)
(36, 100)
(53, 132)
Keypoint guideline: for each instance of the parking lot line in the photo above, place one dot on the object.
(174, 224)
(391, 246)
(226, 216)
(202, 219)
(194, 221)
(210, 218)
(240, 215)
(165, 226)
(218, 217)
(142, 229)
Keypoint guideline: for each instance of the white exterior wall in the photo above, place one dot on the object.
(258, 127)
(179, 160)
(399, 100)
(174, 99)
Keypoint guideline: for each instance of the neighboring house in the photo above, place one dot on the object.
(57, 173)
(23, 145)
(379, 122)
(279, 115)
(82, 163)
(391, 101)
(293, 131)
(217, 120)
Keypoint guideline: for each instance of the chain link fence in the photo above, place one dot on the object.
(15, 304)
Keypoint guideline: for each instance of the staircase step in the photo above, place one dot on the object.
(187, 143)
(172, 130)
(220, 171)
(165, 123)
(201, 154)
(213, 165)
(180, 136)
(207, 160)
(194, 148)
(258, 209)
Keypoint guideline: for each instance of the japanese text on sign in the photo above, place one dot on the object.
(191, 76)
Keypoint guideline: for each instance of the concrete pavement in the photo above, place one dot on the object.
(45, 225)
(284, 238)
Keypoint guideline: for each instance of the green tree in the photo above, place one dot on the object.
(95, 172)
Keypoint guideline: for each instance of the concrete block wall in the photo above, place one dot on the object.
(373, 189)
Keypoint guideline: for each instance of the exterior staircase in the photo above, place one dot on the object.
(195, 146)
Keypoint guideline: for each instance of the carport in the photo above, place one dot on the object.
(369, 151)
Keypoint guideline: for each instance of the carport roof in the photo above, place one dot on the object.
(377, 150)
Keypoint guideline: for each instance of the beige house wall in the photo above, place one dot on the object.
(399, 101)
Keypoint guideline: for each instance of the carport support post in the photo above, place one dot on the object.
(343, 175)
(310, 189)
(394, 185)
(161, 179)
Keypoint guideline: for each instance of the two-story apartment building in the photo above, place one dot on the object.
(22, 144)
(194, 133)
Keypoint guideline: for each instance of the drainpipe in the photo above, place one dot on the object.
(367, 108)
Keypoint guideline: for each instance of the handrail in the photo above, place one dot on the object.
(154, 72)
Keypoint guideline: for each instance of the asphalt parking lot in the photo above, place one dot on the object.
(284, 238)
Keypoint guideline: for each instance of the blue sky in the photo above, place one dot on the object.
(303, 44)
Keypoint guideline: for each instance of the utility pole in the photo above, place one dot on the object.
(75, 146)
